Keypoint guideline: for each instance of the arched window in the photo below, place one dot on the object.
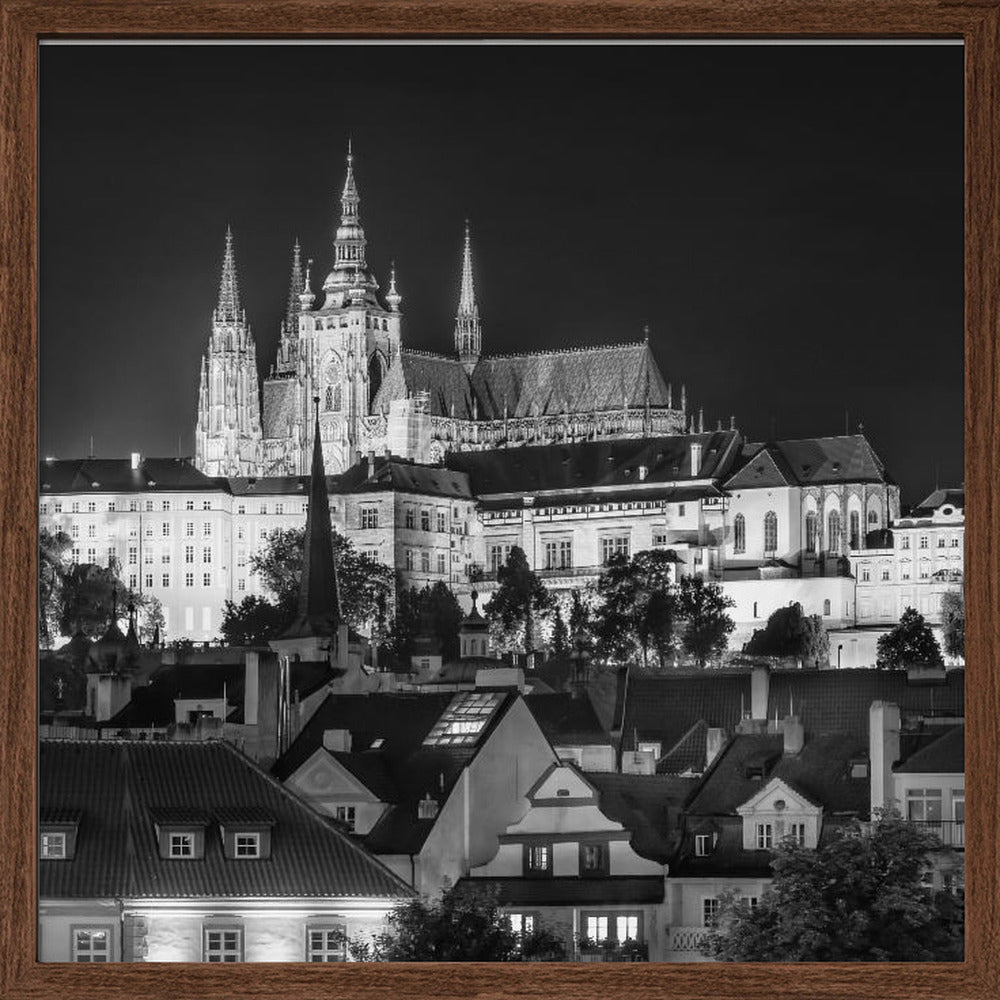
(328, 398)
(374, 376)
(855, 536)
(811, 531)
(873, 517)
(770, 532)
(740, 534)
(826, 607)
(338, 400)
(833, 531)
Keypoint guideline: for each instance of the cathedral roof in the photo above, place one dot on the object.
(550, 383)
(441, 376)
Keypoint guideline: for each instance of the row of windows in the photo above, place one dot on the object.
(325, 942)
(923, 542)
(441, 519)
(593, 859)
(113, 506)
(422, 558)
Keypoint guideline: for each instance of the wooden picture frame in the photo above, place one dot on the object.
(24, 22)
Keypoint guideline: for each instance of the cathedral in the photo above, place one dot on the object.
(345, 349)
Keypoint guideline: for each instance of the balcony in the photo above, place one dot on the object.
(951, 832)
(612, 951)
(684, 943)
(554, 572)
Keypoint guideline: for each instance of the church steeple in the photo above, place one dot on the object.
(319, 614)
(228, 309)
(294, 291)
(468, 333)
(349, 244)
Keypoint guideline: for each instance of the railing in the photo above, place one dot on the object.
(555, 571)
(633, 951)
(686, 940)
(951, 832)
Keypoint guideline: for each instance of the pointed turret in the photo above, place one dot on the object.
(468, 333)
(228, 309)
(319, 596)
(349, 244)
(294, 292)
(393, 297)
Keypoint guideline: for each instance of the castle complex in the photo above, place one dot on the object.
(345, 348)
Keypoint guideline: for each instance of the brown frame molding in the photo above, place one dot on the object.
(24, 22)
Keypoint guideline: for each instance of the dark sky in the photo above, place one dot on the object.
(787, 219)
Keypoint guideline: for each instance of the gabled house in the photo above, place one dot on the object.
(188, 852)
(587, 861)
(426, 782)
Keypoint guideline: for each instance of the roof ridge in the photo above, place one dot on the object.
(566, 350)
(428, 354)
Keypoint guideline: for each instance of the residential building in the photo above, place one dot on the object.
(187, 852)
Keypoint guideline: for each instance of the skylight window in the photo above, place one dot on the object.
(464, 719)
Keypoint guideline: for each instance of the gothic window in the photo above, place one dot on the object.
(855, 536)
(328, 400)
(375, 372)
(811, 531)
(833, 531)
(740, 534)
(873, 518)
(770, 532)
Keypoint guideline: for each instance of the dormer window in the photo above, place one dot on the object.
(53, 846)
(702, 845)
(181, 845)
(245, 832)
(764, 836)
(247, 845)
(58, 830)
(180, 832)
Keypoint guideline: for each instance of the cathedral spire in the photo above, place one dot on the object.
(468, 332)
(228, 309)
(349, 243)
(319, 612)
(294, 291)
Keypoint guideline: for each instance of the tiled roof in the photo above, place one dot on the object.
(116, 784)
(940, 497)
(945, 755)
(116, 475)
(574, 891)
(570, 468)
(567, 720)
(369, 767)
(810, 462)
(441, 376)
(820, 772)
(688, 753)
(551, 383)
(648, 805)
(664, 706)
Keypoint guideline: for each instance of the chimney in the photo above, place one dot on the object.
(337, 740)
(695, 458)
(794, 734)
(760, 683)
(715, 740)
(643, 472)
(251, 688)
(427, 807)
(136, 460)
(883, 751)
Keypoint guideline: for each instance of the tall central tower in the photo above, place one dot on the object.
(228, 432)
(468, 332)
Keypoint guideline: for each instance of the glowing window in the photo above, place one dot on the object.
(464, 719)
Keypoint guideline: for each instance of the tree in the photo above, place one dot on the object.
(910, 643)
(465, 924)
(52, 568)
(560, 634)
(704, 624)
(639, 606)
(859, 897)
(252, 622)
(88, 594)
(520, 599)
(790, 632)
(366, 586)
(953, 623)
(435, 608)
(579, 617)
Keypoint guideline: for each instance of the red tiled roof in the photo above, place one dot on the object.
(116, 784)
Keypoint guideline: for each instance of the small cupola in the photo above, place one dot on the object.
(474, 634)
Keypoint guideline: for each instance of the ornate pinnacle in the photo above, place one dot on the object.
(228, 310)
(467, 296)
(392, 296)
(294, 290)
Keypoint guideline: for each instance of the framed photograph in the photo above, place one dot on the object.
(506, 462)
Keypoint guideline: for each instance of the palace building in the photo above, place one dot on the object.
(345, 347)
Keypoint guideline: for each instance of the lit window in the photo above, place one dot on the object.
(764, 836)
(464, 719)
(92, 944)
(247, 845)
(326, 944)
(75, 507)
(53, 846)
(180, 845)
(539, 858)
(598, 928)
(224, 944)
(522, 924)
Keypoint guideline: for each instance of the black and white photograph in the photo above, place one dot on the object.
(501, 502)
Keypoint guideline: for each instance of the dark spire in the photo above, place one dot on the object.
(319, 595)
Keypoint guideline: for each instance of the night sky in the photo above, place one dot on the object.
(788, 221)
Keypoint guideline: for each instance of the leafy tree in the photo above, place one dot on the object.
(560, 634)
(87, 596)
(253, 621)
(520, 599)
(52, 568)
(910, 643)
(579, 617)
(953, 619)
(150, 621)
(790, 632)
(639, 606)
(857, 898)
(435, 608)
(704, 624)
(465, 924)
(366, 586)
